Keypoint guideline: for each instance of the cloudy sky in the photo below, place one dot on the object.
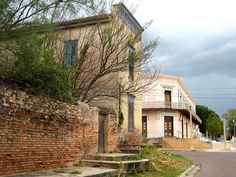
(197, 42)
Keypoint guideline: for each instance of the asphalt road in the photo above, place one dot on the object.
(213, 164)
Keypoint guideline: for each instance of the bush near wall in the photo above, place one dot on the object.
(34, 64)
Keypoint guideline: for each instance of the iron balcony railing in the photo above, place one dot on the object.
(170, 105)
(163, 104)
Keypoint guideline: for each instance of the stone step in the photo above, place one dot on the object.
(125, 166)
(68, 172)
(112, 156)
(131, 145)
(130, 148)
(158, 145)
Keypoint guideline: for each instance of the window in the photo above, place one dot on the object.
(167, 98)
(131, 113)
(186, 129)
(70, 53)
(131, 53)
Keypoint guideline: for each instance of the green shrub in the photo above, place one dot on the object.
(59, 170)
(77, 164)
(75, 172)
(36, 66)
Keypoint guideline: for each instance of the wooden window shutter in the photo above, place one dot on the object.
(70, 53)
(131, 113)
(131, 53)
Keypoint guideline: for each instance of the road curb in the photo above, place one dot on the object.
(191, 171)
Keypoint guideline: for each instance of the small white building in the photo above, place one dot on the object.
(168, 109)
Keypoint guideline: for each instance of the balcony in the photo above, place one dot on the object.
(164, 105)
(170, 105)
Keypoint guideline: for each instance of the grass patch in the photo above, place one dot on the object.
(109, 158)
(97, 158)
(59, 170)
(163, 164)
(77, 164)
(75, 172)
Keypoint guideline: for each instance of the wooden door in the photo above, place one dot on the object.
(186, 130)
(101, 134)
(168, 126)
(144, 126)
(167, 98)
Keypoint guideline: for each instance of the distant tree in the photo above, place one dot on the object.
(214, 125)
(229, 116)
(204, 113)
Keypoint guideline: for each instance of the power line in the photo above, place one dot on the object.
(199, 94)
(223, 98)
(197, 89)
(212, 88)
(213, 94)
(228, 98)
(230, 91)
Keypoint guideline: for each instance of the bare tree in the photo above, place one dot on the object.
(19, 18)
(15, 13)
(111, 61)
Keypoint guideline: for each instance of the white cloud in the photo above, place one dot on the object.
(227, 47)
(197, 41)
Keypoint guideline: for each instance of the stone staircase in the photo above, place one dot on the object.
(184, 144)
(130, 148)
(122, 162)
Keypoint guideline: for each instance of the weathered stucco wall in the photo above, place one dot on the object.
(37, 133)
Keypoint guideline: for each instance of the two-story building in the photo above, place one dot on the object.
(101, 50)
(108, 40)
(168, 109)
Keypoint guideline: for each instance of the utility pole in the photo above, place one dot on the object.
(234, 128)
(191, 129)
(224, 135)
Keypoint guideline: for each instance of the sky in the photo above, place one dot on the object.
(197, 42)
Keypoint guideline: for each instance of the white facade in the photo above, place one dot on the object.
(156, 109)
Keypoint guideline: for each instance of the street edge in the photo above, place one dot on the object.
(191, 171)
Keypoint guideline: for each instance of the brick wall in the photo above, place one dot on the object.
(37, 133)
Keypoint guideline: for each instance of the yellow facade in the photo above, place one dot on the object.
(80, 29)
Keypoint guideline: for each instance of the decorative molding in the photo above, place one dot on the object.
(168, 87)
(129, 19)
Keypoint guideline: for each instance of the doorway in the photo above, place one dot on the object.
(168, 126)
(144, 126)
(186, 129)
(101, 133)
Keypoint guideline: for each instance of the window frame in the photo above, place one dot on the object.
(131, 120)
(70, 60)
(131, 51)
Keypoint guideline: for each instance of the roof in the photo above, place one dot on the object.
(120, 8)
(86, 21)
